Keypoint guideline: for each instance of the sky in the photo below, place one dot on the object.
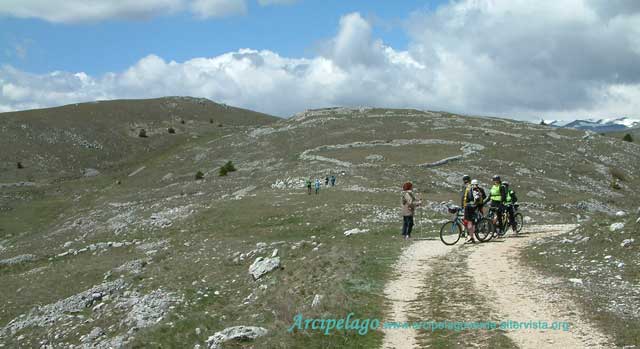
(553, 60)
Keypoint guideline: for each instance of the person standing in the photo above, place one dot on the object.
(333, 180)
(326, 181)
(317, 186)
(308, 183)
(409, 204)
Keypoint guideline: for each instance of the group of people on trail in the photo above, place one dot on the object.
(317, 184)
(473, 200)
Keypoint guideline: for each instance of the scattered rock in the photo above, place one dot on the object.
(133, 267)
(43, 316)
(18, 259)
(241, 333)
(527, 219)
(621, 214)
(355, 231)
(93, 335)
(374, 158)
(576, 281)
(627, 242)
(316, 300)
(275, 253)
(616, 226)
(90, 172)
(149, 309)
(261, 266)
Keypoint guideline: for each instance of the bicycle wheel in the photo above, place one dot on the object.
(519, 221)
(450, 233)
(484, 230)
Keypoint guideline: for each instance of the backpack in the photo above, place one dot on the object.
(477, 196)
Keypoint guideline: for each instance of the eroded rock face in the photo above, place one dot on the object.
(235, 333)
(150, 308)
(262, 266)
(50, 313)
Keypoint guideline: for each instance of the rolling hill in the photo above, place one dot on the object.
(159, 258)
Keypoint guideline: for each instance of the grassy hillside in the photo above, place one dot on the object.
(182, 247)
(63, 142)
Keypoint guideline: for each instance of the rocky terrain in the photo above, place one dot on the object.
(107, 239)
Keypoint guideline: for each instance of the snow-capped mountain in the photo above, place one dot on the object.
(597, 125)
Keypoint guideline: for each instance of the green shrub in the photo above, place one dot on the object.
(211, 121)
(199, 175)
(142, 133)
(228, 167)
(171, 130)
(19, 165)
(182, 121)
(220, 125)
(628, 137)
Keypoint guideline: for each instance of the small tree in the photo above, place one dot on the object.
(220, 125)
(171, 130)
(628, 137)
(142, 133)
(182, 121)
(199, 175)
(211, 121)
(19, 165)
(228, 167)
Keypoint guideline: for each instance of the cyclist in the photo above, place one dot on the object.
(478, 192)
(469, 206)
(497, 196)
(466, 180)
(510, 200)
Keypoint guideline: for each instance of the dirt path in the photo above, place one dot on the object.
(518, 293)
(410, 276)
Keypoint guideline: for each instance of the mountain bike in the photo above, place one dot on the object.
(493, 220)
(451, 231)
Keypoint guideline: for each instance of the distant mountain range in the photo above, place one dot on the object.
(597, 125)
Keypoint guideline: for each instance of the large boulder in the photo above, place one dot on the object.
(262, 266)
(627, 242)
(242, 333)
(616, 226)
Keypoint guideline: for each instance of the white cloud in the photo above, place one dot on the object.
(218, 8)
(86, 10)
(571, 59)
(73, 11)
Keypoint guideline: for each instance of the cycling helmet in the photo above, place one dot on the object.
(474, 182)
(496, 178)
(466, 178)
(505, 183)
